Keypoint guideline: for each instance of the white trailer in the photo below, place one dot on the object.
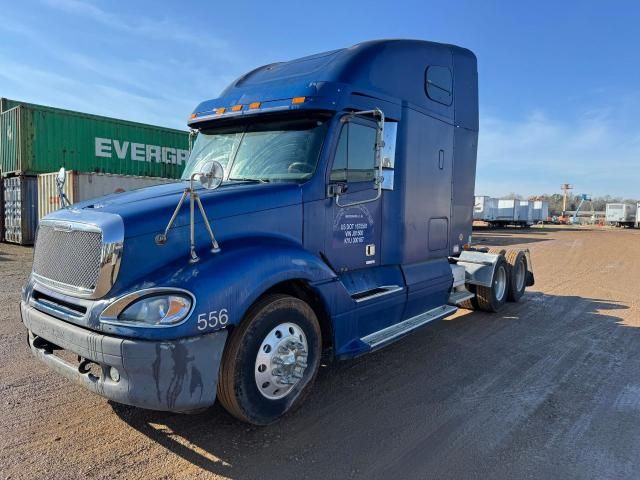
(621, 214)
(513, 212)
(525, 213)
(504, 211)
(508, 211)
(484, 208)
(540, 211)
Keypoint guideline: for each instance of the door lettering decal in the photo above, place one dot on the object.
(353, 226)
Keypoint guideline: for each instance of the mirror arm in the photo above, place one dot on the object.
(379, 146)
(192, 134)
(194, 198)
(64, 201)
(215, 172)
(161, 239)
(215, 247)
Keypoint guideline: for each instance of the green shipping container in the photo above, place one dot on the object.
(36, 139)
(7, 103)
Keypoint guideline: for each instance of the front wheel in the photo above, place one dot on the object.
(271, 360)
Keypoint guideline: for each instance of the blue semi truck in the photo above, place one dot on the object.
(325, 209)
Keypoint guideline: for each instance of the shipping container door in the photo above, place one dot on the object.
(10, 140)
(21, 209)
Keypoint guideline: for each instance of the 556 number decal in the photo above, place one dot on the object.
(213, 319)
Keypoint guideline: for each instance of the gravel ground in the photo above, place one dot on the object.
(549, 388)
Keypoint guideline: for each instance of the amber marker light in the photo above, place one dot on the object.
(296, 100)
(254, 105)
(194, 115)
(176, 305)
(236, 108)
(220, 110)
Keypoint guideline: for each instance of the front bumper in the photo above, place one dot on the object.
(171, 375)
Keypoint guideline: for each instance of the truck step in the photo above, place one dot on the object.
(389, 334)
(456, 298)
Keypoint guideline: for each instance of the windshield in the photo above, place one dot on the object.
(267, 151)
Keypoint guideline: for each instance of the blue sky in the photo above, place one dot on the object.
(559, 81)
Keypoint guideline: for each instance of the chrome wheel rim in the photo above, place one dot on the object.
(281, 361)
(500, 283)
(520, 274)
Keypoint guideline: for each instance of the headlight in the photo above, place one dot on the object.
(156, 310)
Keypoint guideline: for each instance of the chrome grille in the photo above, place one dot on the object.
(78, 252)
(68, 257)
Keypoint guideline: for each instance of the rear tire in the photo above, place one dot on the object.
(517, 274)
(271, 360)
(518, 271)
(491, 299)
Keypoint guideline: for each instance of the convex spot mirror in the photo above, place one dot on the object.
(211, 175)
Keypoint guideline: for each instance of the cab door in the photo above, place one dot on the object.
(353, 240)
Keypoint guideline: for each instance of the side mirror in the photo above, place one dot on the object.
(379, 145)
(211, 175)
(61, 178)
(389, 154)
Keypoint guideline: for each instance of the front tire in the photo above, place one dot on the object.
(271, 360)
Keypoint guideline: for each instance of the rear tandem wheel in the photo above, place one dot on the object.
(491, 299)
(518, 268)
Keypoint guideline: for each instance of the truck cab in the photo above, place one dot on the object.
(325, 209)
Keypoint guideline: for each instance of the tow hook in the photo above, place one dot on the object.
(85, 365)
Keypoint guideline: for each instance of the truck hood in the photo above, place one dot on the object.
(240, 214)
(148, 210)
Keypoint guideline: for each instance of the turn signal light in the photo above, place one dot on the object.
(254, 105)
(236, 108)
(295, 100)
(194, 115)
(220, 110)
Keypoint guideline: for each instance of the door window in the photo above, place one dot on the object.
(355, 158)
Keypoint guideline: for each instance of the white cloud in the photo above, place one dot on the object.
(62, 91)
(97, 95)
(146, 86)
(163, 29)
(598, 152)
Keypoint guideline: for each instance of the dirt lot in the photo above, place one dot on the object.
(550, 388)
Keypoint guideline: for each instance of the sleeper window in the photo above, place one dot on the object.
(439, 84)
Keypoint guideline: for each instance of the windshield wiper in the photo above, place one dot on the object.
(252, 180)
